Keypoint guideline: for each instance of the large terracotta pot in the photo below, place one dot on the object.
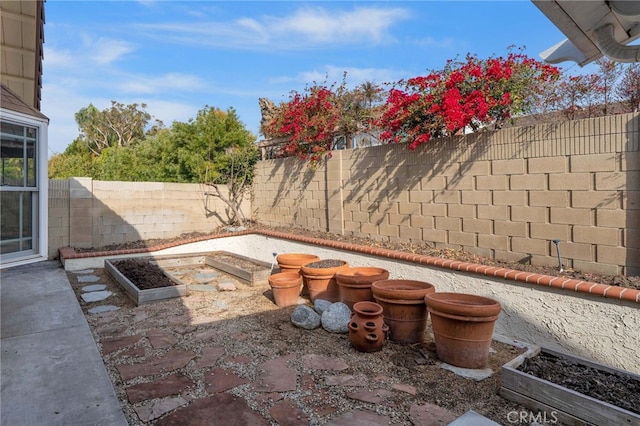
(405, 311)
(292, 262)
(319, 278)
(286, 287)
(367, 329)
(462, 327)
(355, 283)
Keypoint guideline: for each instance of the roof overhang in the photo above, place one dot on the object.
(594, 28)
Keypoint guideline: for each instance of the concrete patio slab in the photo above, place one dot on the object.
(50, 370)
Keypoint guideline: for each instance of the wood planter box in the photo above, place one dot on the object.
(245, 268)
(564, 404)
(139, 296)
(250, 270)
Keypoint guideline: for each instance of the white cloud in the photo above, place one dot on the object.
(106, 51)
(58, 58)
(333, 74)
(310, 27)
(143, 84)
(444, 43)
(368, 24)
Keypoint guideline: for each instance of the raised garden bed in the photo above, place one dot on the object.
(572, 389)
(251, 270)
(149, 279)
(146, 284)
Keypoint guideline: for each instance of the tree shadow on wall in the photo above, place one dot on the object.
(632, 202)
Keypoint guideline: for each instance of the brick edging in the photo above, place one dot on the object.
(569, 284)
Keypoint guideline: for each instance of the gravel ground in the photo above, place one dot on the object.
(251, 329)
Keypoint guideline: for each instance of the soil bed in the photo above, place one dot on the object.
(144, 274)
(621, 391)
(326, 263)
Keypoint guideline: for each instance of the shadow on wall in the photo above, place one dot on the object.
(632, 200)
(84, 213)
(299, 182)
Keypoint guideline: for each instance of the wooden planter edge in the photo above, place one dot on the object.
(565, 404)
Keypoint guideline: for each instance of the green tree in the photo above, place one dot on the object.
(121, 125)
(75, 161)
(237, 173)
(214, 149)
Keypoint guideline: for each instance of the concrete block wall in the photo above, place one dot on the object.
(87, 213)
(505, 194)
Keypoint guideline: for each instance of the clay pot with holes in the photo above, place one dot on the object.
(367, 330)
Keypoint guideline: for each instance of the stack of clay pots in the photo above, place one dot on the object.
(462, 324)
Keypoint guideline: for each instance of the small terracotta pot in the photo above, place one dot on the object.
(462, 327)
(292, 262)
(286, 287)
(355, 283)
(367, 330)
(320, 281)
(405, 311)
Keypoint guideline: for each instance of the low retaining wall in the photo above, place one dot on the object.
(592, 325)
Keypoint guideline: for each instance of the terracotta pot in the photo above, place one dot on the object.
(367, 329)
(405, 311)
(355, 283)
(292, 262)
(319, 278)
(462, 327)
(286, 287)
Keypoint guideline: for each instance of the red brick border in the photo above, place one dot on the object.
(561, 283)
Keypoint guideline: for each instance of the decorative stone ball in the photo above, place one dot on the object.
(305, 317)
(336, 318)
(321, 305)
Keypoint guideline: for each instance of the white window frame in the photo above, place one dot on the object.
(42, 147)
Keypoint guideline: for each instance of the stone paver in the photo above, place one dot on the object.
(206, 334)
(430, 415)
(202, 287)
(112, 344)
(375, 396)
(205, 277)
(102, 309)
(210, 355)
(240, 359)
(346, 380)
(170, 385)
(227, 286)
(361, 418)
(286, 413)
(95, 296)
(468, 373)
(220, 380)
(153, 410)
(132, 353)
(88, 278)
(94, 287)
(161, 339)
(221, 409)
(405, 388)
(321, 362)
(172, 360)
(276, 375)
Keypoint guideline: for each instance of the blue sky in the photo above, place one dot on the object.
(178, 56)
